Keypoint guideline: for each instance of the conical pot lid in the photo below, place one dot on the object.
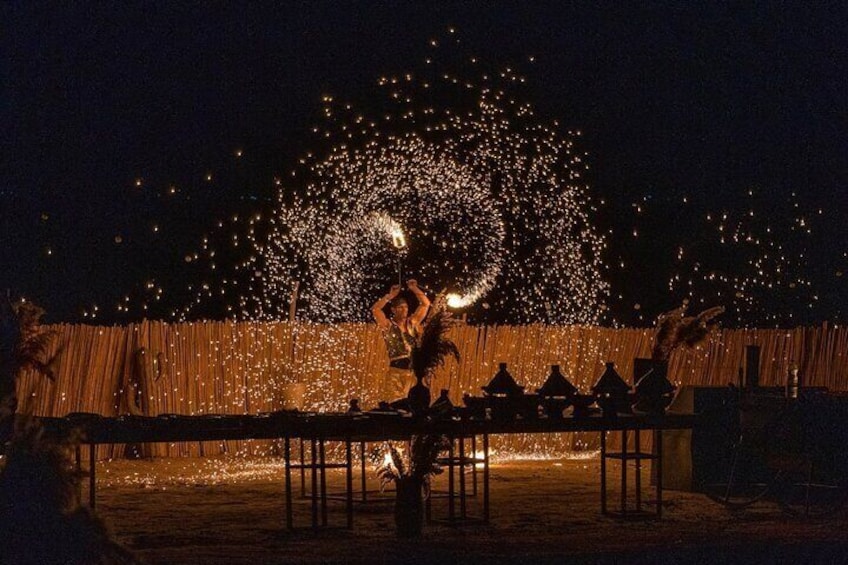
(610, 382)
(503, 383)
(556, 384)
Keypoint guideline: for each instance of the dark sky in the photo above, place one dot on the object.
(700, 99)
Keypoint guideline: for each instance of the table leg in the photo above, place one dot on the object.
(486, 478)
(349, 475)
(323, 482)
(474, 466)
(659, 461)
(623, 472)
(302, 469)
(92, 474)
(462, 507)
(362, 469)
(313, 469)
(603, 472)
(638, 472)
(450, 482)
(287, 457)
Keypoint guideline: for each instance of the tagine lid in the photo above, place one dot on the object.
(556, 384)
(610, 382)
(503, 383)
(654, 383)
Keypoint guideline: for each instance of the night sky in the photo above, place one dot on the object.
(688, 111)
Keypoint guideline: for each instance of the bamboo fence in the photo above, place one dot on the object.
(154, 368)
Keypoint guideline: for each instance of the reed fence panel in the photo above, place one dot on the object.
(154, 368)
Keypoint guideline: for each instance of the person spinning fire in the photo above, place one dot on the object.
(399, 331)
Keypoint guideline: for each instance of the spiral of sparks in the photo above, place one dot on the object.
(344, 242)
(490, 201)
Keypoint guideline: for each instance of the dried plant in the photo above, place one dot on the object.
(675, 329)
(24, 337)
(24, 344)
(419, 462)
(432, 347)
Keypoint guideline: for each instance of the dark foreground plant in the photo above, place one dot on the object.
(24, 344)
(40, 513)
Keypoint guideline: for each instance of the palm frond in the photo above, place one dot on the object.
(695, 330)
(24, 344)
(433, 347)
(420, 461)
(26, 340)
(397, 460)
(425, 454)
(675, 329)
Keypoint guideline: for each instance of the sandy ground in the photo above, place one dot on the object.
(232, 511)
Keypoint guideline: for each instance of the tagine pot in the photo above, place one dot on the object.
(409, 507)
(581, 405)
(501, 408)
(613, 393)
(442, 407)
(556, 393)
(555, 406)
(475, 406)
(654, 392)
(503, 395)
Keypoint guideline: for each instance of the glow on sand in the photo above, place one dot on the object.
(164, 473)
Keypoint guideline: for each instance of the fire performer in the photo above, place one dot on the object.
(399, 331)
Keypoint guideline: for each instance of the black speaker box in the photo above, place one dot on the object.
(714, 434)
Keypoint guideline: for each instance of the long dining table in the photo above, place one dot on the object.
(374, 426)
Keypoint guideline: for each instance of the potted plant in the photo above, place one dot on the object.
(411, 472)
(654, 392)
(39, 493)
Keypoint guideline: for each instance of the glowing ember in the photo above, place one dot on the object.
(457, 301)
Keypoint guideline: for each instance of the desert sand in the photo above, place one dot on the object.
(217, 511)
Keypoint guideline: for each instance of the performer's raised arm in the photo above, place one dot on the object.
(377, 308)
(423, 302)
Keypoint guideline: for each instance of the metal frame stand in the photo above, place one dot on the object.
(316, 467)
(635, 457)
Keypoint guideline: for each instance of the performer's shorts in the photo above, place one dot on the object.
(396, 384)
